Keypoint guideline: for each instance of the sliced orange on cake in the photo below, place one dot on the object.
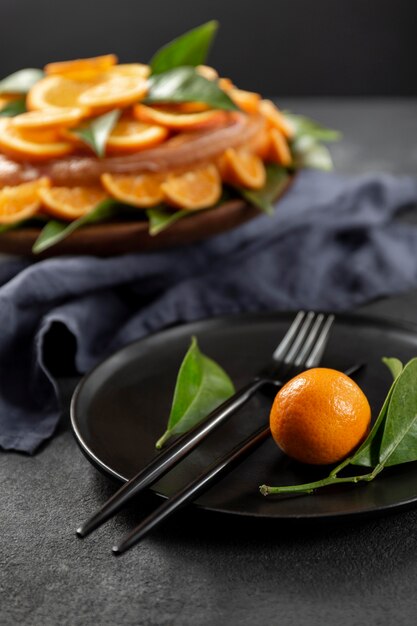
(82, 69)
(275, 118)
(130, 135)
(138, 70)
(248, 101)
(48, 118)
(279, 150)
(56, 92)
(195, 189)
(141, 190)
(116, 92)
(242, 168)
(70, 203)
(172, 118)
(31, 144)
(21, 202)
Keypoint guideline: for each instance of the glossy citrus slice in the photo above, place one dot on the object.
(31, 144)
(279, 150)
(139, 70)
(48, 118)
(82, 69)
(129, 135)
(196, 189)
(259, 144)
(70, 203)
(207, 72)
(55, 92)
(275, 118)
(21, 202)
(225, 84)
(243, 168)
(176, 120)
(141, 190)
(118, 91)
(248, 101)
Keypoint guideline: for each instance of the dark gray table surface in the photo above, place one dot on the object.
(203, 568)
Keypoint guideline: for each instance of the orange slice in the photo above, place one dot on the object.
(82, 69)
(21, 202)
(260, 144)
(70, 203)
(139, 70)
(176, 120)
(31, 144)
(48, 118)
(129, 135)
(118, 91)
(196, 189)
(225, 84)
(275, 118)
(142, 190)
(279, 151)
(243, 168)
(207, 72)
(55, 92)
(248, 101)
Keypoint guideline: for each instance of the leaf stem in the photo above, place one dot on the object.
(162, 440)
(307, 488)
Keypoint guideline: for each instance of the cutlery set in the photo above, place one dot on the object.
(301, 348)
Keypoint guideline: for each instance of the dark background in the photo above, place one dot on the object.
(278, 47)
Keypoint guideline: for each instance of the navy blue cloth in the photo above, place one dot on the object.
(332, 244)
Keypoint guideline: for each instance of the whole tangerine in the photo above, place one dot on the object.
(320, 416)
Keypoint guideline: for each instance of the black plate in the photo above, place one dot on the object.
(120, 409)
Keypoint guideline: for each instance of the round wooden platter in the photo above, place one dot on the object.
(113, 238)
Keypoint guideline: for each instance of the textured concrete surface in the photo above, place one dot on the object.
(202, 568)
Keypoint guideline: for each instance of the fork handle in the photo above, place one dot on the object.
(193, 489)
(166, 460)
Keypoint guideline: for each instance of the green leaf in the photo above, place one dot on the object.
(308, 153)
(277, 179)
(189, 49)
(21, 81)
(15, 107)
(161, 218)
(399, 441)
(96, 132)
(35, 221)
(367, 454)
(306, 148)
(56, 231)
(184, 84)
(394, 365)
(304, 126)
(202, 385)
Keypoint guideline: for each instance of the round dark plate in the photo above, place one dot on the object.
(120, 409)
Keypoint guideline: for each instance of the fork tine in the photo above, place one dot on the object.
(309, 341)
(320, 345)
(299, 339)
(286, 342)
